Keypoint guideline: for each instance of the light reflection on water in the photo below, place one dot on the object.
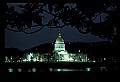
(64, 69)
(58, 69)
(50, 69)
(68, 69)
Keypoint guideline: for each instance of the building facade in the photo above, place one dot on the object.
(59, 54)
(59, 50)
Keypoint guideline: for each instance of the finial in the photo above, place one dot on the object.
(59, 34)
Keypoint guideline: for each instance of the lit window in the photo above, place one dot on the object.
(10, 70)
(94, 61)
(33, 70)
(11, 57)
(19, 70)
(104, 58)
(88, 69)
(103, 68)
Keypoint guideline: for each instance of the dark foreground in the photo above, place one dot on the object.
(60, 66)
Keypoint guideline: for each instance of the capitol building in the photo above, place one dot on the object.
(59, 54)
(59, 50)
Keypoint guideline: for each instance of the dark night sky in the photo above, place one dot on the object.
(25, 41)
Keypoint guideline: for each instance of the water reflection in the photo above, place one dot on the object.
(57, 69)
(65, 69)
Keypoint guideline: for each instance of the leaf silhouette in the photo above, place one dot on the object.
(50, 7)
(82, 16)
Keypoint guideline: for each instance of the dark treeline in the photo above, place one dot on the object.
(94, 49)
(13, 52)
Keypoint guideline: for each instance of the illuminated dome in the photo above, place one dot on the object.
(59, 39)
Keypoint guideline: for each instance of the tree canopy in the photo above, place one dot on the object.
(99, 18)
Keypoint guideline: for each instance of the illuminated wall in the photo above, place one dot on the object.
(59, 44)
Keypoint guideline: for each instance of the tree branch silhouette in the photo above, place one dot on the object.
(33, 31)
(81, 17)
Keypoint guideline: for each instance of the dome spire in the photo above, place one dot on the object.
(59, 34)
